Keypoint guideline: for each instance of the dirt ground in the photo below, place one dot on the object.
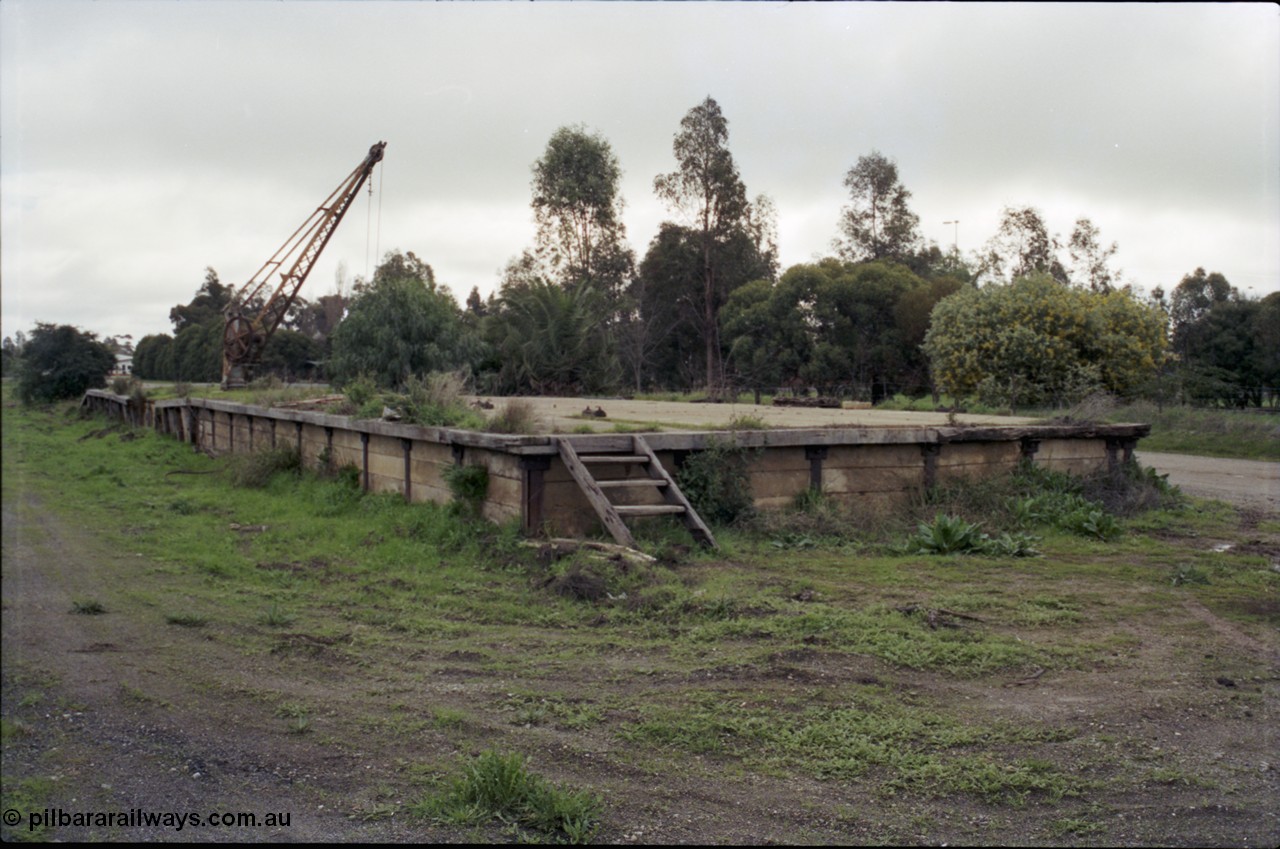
(117, 715)
(566, 414)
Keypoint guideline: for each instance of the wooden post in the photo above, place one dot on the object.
(1029, 448)
(930, 451)
(533, 488)
(407, 445)
(364, 459)
(815, 454)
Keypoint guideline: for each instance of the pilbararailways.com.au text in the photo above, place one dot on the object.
(139, 818)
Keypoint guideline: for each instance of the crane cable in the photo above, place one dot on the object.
(377, 244)
(368, 222)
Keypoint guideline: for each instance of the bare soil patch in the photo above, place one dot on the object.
(567, 414)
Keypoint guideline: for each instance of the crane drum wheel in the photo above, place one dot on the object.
(247, 326)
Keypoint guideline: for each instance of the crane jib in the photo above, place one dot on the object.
(247, 326)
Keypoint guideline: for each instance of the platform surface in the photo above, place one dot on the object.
(566, 415)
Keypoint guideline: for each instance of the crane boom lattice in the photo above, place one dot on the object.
(250, 321)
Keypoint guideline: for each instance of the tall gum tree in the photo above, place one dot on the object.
(877, 224)
(708, 192)
(578, 206)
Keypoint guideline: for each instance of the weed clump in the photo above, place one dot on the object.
(951, 535)
(436, 401)
(469, 485)
(500, 786)
(255, 470)
(715, 481)
(516, 416)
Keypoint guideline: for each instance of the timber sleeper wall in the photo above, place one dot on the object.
(528, 481)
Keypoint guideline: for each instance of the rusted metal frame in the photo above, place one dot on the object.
(244, 337)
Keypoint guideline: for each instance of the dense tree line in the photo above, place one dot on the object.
(1029, 318)
(1227, 346)
(60, 361)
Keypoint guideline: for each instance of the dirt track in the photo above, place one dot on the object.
(1247, 483)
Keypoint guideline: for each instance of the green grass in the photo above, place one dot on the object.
(1176, 429)
(500, 786)
(445, 631)
(1249, 435)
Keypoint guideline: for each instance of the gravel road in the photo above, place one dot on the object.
(1247, 483)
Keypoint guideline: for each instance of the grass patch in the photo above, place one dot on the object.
(25, 795)
(500, 786)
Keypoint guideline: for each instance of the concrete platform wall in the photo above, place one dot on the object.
(529, 483)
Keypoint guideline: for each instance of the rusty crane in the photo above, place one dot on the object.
(248, 328)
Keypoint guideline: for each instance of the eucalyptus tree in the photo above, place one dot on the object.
(577, 204)
(877, 224)
(1021, 247)
(732, 237)
(1090, 258)
(1196, 294)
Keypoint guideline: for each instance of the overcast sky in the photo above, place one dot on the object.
(143, 141)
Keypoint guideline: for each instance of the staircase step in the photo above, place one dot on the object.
(647, 509)
(613, 458)
(630, 482)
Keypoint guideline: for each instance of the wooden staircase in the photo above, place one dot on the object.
(656, 477)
